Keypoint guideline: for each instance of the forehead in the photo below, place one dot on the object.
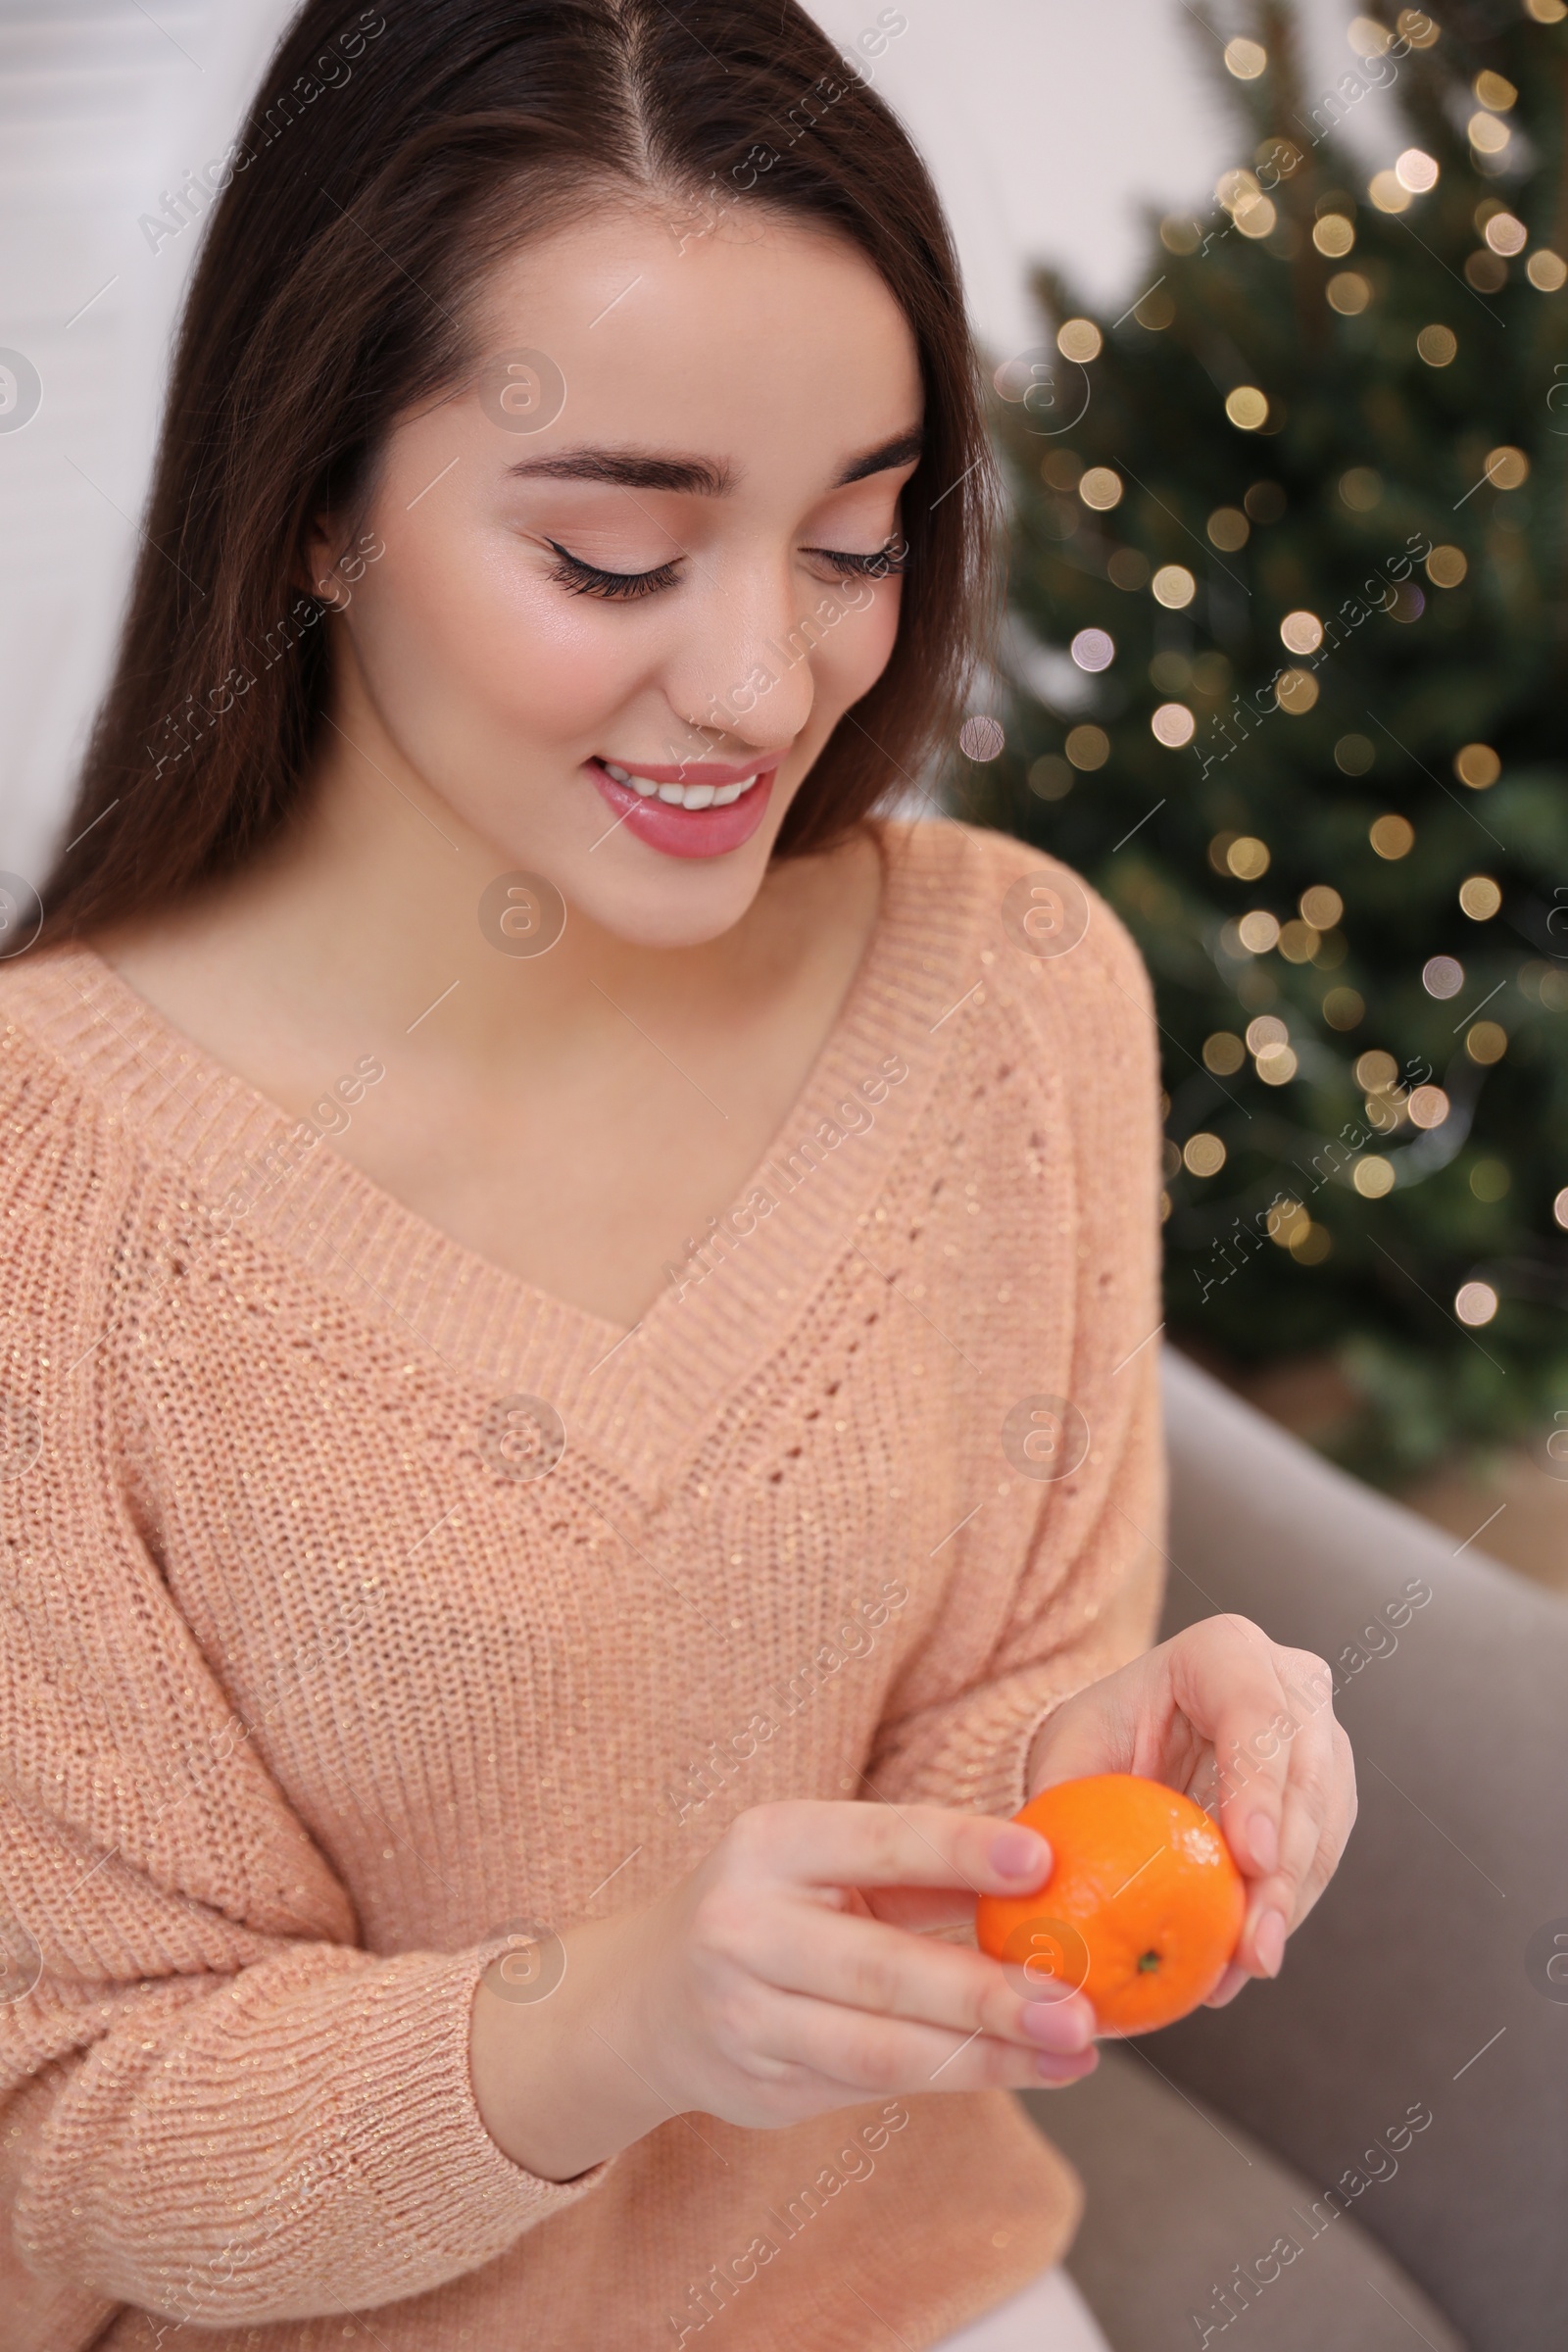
(759, 333)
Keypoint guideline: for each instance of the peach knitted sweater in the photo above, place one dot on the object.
(325, 1659)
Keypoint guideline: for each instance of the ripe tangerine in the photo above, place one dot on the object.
(1143, 1907)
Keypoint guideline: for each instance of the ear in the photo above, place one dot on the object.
(322, 554)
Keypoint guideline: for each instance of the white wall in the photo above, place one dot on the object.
(1048, 124)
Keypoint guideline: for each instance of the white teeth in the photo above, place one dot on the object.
(680, 795)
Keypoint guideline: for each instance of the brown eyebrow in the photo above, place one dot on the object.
(648, 470)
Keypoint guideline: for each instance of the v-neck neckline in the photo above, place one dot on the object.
(645, 1396)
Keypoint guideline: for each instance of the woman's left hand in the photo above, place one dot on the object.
(1224, 1713)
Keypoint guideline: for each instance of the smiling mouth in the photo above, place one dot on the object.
(682, 795)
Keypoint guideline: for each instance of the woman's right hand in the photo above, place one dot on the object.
(776, 1982)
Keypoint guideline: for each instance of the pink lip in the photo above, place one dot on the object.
(689, 832)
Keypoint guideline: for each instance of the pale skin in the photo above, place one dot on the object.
(609, 1094)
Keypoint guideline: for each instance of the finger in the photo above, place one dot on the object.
(1319, 1809)
(1226, 1678)
(1314, 1817)
(861, 1962)
(820, 1842)
(884, 2054)
(921, 1909)
(1229, 1985)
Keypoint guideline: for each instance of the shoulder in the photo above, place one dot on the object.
(65, 1160)
(1053, 943)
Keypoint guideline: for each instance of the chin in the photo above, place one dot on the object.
(661, 901)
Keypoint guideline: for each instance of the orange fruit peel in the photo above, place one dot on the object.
(1142, 1911)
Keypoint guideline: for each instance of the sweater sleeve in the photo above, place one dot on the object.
(213, 2104)
(1083, 1594)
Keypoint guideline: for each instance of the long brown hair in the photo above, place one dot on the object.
(386, 164)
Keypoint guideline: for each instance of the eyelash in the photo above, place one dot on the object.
(580, 578)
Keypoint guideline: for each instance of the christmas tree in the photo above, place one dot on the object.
(1289, 609)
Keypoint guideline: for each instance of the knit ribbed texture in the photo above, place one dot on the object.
(308, 1696)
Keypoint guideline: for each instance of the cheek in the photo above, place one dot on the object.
(856, 649)
(476, 636)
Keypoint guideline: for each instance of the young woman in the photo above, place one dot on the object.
(582, 1313)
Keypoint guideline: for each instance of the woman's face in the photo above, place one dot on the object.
(671, 579)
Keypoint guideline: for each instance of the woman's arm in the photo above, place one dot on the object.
(764, 1987)
(213, 2105)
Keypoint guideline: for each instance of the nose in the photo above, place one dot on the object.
(741, 665)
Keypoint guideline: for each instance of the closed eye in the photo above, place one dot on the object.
(623, 587)
(582, 578)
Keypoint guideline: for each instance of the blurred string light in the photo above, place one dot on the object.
(1416, 172)
(1088, 747)
(1247, 857)
(1301, 632)
(1100, 488)
(1480, 898)
(1247, 59)
(1478, 765)
(1392, 836)
(1334, 235)
(1443, 976)
(981, 738)
(1437, 345)
(1475, 1303)
(1173, 726)
(1050, 777)
(1079, 339)
(1428, 1107)
(1242, 197)
(1247, 408)
(1174, 586)
(1094, 648)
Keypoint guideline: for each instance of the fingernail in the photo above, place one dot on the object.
(1268, 1941)
(1057, 2073)
(1264, 1841)
(1065, 2027)
(1019, 1853)
(1229, 1985)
